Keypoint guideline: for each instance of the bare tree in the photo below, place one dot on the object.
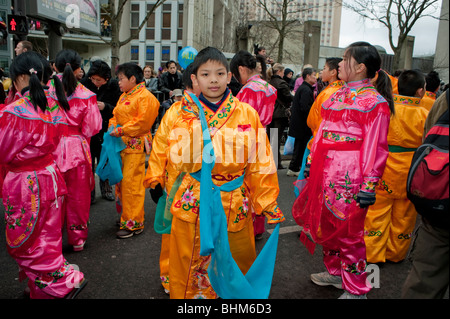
(281, 18)
(400, 15)
(114, 12)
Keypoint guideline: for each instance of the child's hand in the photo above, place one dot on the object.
(117, 132)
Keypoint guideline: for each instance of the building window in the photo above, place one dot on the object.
(166, 22)
(165, 54)
(150, 30)
(180, 22)
(150, 53)
(134, 53)
(134, 20)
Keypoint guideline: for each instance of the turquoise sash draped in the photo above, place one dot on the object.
(226, 278)
(110, 163)
(163, 216)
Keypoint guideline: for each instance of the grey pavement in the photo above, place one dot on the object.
(129, 269)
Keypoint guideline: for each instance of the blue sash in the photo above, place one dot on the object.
(226, 278)
(109, 166)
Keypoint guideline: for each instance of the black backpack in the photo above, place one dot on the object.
(427, 185)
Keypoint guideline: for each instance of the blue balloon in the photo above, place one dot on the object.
(186, 56)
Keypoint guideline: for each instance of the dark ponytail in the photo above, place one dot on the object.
(242, 58)
(364, 52)
(67, 61)
(59, 90)
(37, 93)
(383, 85)
(61, 96)
(30, 63)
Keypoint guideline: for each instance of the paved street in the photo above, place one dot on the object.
(128, 268)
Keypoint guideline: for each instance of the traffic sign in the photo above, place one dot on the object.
(17, 24)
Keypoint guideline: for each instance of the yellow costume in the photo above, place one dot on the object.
(235, 128)
(391, 220)
(159, 172)
(428, 100)
(314, 117)
(135, 112)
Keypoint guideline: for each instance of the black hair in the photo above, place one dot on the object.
(307, 72)
(364, 52)
(242, 58)
(433, 81)
(333, 64)
(30, 63)
(130, 69)
(262, 61)
(209, 54)
(59, 89)
(409, 81)
(100, 68)
(170, 62)
(67, 61)
(186, 77)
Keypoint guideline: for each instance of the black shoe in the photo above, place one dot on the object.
(126, 233)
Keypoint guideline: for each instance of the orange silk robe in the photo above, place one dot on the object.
(391, 220)
(428, 100)
(159, 172)
(314, 117)
(232, 127)
(135, 112)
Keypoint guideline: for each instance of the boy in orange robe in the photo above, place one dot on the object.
(330, 75)
(224, 113)
(433, 82)
(132, 119)
(391, 220)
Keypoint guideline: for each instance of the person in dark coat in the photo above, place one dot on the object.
(280, 118)
(170, 80)
(303, 100)
(99, 81)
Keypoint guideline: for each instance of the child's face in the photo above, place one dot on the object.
(350, 69)
(126, 84)
(327, 74)
(212, 79)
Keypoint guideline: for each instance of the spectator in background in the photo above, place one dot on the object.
(151, 82)
(99, 81)
(303, 100)
(280, 117)
(170, 80)
(23, 46)
(288, 74)
(299, 80)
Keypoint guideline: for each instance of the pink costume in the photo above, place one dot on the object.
(261, 96)
(348, 156)
(33, 193)
(73, 157)
(10, 98)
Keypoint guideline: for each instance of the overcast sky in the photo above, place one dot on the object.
(353, 29)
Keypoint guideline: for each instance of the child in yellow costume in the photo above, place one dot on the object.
(432, 85)
(225, 115)
(391, 220)
(132, 120)
(160, 175)
(330, 75)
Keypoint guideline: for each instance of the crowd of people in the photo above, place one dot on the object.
(355, 128)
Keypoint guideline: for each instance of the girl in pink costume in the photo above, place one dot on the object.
(33, 190)
(261, 96)
(348, 157)
(73, 154)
